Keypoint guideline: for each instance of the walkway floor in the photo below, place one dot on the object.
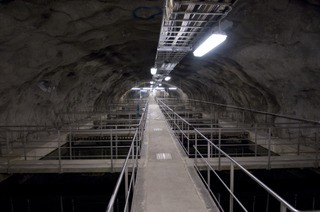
(166, 180)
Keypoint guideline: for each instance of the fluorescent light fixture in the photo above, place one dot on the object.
(151, 82)
(172, 88)
(135, 89)
(153, 71)
(213, 41)
(146, 88)
(167, 78)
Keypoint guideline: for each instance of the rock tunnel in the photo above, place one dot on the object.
(59, 56)
(68, 55)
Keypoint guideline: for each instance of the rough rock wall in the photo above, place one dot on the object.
(61, 55)
(270, 61)
(70, 55)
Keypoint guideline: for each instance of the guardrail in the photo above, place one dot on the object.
(179, 124)
(258, 141)
(133, 156)
(237, 114)
(70, 142)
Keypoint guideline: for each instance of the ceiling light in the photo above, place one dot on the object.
(159, 88)
(213, 41)
(160, 84)
(135, 89)
(173, 88)
(146, 88)
(151, 82)
(153, 71)
(167, 78)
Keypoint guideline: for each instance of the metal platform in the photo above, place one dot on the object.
(166, 181)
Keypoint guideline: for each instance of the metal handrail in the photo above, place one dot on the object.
(117, 187)
(283, 204)
(134, 153)
(257, 111)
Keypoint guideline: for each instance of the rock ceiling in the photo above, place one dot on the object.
(60, 55)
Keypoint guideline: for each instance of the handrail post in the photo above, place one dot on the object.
(208, 168)
(126, 186)
(196, 147)
(231, 187)
(283, 208)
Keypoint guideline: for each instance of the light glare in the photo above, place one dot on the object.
(167, 78)
(213, 41)
(135, 89)
(153, 71)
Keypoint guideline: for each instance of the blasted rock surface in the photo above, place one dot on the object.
(59, 55)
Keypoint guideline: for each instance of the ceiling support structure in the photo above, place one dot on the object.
(184, 24)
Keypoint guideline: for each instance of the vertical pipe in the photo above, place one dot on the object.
(59, 152)
(231, 186)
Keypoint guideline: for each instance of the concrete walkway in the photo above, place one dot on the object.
(166, 180)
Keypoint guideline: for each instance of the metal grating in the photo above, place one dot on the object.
(183, 24)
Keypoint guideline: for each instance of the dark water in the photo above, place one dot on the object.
(299, 187)
(58, 193)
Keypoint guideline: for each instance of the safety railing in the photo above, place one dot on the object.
(238, 115)
(185, 129)
(27, 145)
(249, 141)
(131, 162)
